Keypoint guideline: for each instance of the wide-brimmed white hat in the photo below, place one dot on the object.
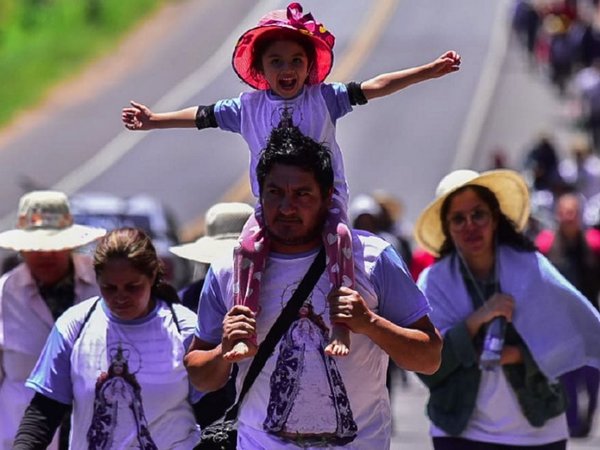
(45, 223)
(507, 185)
(363, 204)
(224, 223)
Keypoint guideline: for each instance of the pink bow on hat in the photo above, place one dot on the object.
(303, 23)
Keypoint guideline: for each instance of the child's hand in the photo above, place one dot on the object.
(137, 117)
(447, 63)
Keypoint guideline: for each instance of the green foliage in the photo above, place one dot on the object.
(44, 41)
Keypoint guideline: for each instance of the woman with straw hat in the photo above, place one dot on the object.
(50, 279)
(511, 323)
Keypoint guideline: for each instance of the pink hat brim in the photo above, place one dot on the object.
(242, 57)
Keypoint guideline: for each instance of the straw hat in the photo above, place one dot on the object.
(507, 185)
(45, 223)
(224, 223)
(290, 19)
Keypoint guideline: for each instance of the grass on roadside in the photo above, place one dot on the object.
(44, 41)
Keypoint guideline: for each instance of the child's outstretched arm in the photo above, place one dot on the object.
(388, 83)
(140, 117)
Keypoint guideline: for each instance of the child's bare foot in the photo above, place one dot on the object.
(339, 344)
(241, 350)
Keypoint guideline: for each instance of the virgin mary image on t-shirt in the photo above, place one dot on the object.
(308, 403)
(118, 410)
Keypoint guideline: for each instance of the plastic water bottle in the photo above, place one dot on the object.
(493, 344)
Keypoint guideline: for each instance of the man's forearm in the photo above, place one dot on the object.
(417, 348)
(207, 369)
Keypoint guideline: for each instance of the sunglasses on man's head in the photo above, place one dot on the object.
(478, 217)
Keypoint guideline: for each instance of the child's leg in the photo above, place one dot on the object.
(340, 268)
(248, 264)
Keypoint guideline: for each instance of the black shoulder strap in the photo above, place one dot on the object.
(175, 318)
(87, 317)
(283, 322)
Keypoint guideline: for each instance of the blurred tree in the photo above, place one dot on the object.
(93, 11)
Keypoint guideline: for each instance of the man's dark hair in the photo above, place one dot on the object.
(288, 146)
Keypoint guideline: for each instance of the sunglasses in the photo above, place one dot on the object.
(478, 217)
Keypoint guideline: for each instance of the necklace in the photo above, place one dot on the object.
(494, 330)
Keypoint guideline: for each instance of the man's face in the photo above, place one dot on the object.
(568, 213)
(48, 268)
(294, 209)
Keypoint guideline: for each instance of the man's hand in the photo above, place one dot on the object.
(347, 307)
(137, 117)
(239, 323)
(416, 347)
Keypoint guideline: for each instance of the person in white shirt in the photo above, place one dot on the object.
(36, 292)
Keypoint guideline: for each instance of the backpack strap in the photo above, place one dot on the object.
(174, 315)
(88, 314)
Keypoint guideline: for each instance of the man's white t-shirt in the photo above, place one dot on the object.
(301, 392)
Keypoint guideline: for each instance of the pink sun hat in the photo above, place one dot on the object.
(290, 19)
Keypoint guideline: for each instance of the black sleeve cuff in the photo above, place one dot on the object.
(356, 94)
(205, 117)
(39, 423)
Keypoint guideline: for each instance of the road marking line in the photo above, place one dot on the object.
(365, 39)
(173, 99)
(486, 87)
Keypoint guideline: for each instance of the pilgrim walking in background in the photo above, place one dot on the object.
(575, 252)
(366, 213)
(512, 324)
(286, 59)
(223, 223)
(36, 292)
(117, 359)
